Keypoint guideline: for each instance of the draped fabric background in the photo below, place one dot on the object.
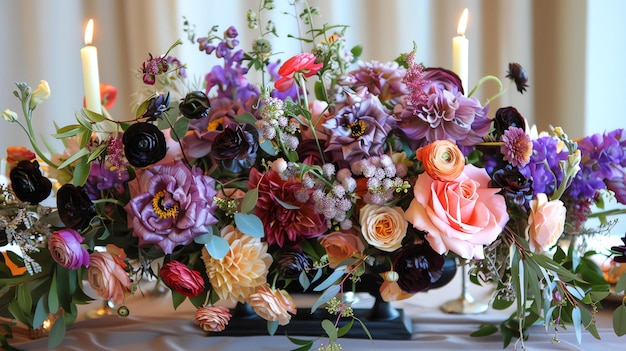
(572, 49)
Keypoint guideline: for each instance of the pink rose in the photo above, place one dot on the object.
(66, 249)
(213, 318)
(180, 278)
(107, 276)
(460, 215)
(545, 222)
(341, 246)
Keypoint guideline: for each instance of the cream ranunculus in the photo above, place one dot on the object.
(383, 227)
(9, 116)
(545, 222)
(41, 94)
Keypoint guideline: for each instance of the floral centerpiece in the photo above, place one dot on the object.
(328, 173)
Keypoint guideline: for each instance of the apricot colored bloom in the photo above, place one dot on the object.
(272, 304)
(245, 266)
(301, 63)
(212, 318)
(107, 274)
(545, 222)
(340, 246)
(383, 227)
(442, 160)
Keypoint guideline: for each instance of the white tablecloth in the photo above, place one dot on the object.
(153, 324)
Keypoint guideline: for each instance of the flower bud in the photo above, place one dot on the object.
(41, 94)
(279, 165)
(391, 276)
(9, 116)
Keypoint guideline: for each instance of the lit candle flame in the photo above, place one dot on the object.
(462, 22)
(89, 32)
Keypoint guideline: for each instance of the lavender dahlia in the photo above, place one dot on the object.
(171, 205)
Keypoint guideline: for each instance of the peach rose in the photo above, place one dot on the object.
(212, 318)
(272, 304)
(545, 222)
(442, 160)
(383, 227)
(107, 275)
(340, 246)
(460, 215)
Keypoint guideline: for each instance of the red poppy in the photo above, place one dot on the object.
(108, 95)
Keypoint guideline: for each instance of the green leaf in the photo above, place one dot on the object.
(356, 51)
(484, 330)
(177, 299)
(53, 298)
(576, 321)
(330, 329)
(217, 247)
(286, 205)
(621, 284)
(619, 320)
(41, 312)
(82, 152)
(343, 330)
(24, 299)
(67, 131)
(272, 327)
(303, 278)
(179, 129)
(97, 152)
(249, 224)
(268, 147)
(246, 117)
(300, 341)
(81, 172)
(332, 279)
(249, 200)
(576, 291)
(325, 296)
(57, 333)
(203, 238)
(93, 116)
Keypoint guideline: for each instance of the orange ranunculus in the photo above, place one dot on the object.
(213, 318)
(15, 154)
(545, 222)
(442, 160)
(340, 246)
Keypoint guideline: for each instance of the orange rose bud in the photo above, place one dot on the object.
(442, 160)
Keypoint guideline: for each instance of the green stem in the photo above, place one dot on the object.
(28, 113)
(614, 212)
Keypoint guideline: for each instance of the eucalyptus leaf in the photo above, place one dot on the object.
(484, 330)
(268, 147)
(576, 321)
(68, 131)
(272, 327)
(619, 320)
(24, 299)
(41, 312)
(249, 200)
(80, 153)
(217, 247)
(180, 128)
(57, 333)
(177, 298)
(81, 172)
(303, 278)
(325, 296)
(286, 205)
(621, 284)
(97, 152)
(246, 117)
(93, 116)
(344, 329)
(330, 330)
(53, 298)
(249, 224)
(332, 279)
(203, 238)
(299, 341)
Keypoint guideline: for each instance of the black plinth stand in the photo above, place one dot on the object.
(382, 321)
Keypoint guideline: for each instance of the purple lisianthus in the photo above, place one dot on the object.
(446, 114)
(359, 128)
(66, 249)
(171, 205)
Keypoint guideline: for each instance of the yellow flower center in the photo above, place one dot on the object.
(163, 209)
(215, 124)
(357, 128)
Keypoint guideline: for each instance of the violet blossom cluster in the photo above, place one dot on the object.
(275, 126)
(544, 167)
(335, 200)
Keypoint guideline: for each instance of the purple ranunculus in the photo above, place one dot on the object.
(359, 128)
(66, 249)
(171, 205)
(446, 114)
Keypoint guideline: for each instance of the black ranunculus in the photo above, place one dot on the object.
(292, 263)
(235, 147)
(157, 105)
(518, 74)
(195, 105)
(144, 144)
(28, 183)
(620, 251)
(514, 184)
(505, 118)
(74, 206)
(418, 266)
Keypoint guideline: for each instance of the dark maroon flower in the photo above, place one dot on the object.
(518, 74)
(507, 117)
(418, 266)
(292, 263)
(620, 251)
(153, 67)
(195, 105)
(28, 184)
(144, 144)
(513, 184)
(75, 208)
(235, 148)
